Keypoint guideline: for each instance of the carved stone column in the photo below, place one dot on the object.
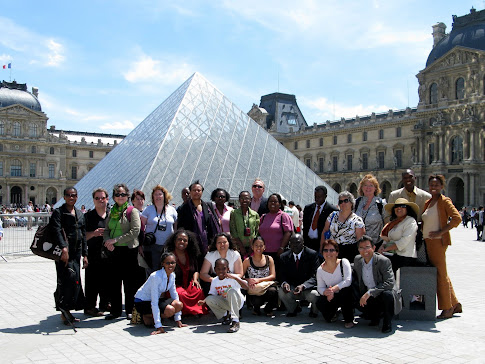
(443, 148)
(472, 145)
(466, 150)
(418, 151)
(437, 154)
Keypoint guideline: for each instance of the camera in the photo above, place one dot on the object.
(162, 227)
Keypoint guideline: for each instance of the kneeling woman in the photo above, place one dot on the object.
(334, 277)
(261, 274)
(149, 301)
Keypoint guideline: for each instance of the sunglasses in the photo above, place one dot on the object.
(121, 195)
(329, 250)
(72, 195)
(100, 198)
(400, 206)
(169, 263)
(343, 201)
(257, 186)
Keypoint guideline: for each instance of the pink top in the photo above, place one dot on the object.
(271, 231)
(224, 218)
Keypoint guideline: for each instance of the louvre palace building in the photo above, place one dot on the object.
(443, 134)
(37, 163)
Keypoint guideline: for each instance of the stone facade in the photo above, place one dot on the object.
(444, 134)
(37, 163)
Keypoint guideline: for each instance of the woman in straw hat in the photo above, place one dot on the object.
(399, 235)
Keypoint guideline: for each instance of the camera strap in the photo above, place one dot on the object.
(159, 217)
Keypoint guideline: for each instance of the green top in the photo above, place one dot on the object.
(123, 230)
(238, 223)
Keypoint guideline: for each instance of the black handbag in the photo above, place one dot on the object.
(45, 244)
(149, 239)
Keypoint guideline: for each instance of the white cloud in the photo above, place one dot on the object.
(40, 49)
(323, 109)
(56, 57)
(118, 126)
(161, 71)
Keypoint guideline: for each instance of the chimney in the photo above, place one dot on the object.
(439, 32)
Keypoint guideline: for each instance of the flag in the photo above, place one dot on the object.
(5, 66)
(10, 65)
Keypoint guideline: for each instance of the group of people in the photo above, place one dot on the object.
(173, 262)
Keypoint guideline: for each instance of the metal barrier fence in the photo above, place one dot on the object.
(19, 230)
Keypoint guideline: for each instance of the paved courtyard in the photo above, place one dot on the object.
(31, 331)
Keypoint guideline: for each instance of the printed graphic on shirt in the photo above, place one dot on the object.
(222, 290)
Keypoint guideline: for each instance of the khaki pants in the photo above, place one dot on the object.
(220, 305)
(437, 256)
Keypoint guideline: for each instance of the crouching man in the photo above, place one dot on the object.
(375, 278)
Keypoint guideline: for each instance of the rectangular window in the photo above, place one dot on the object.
(74, 153)
(381, 134)
(321, 142)
(74, 172)
(52, 169)
(334, 140)
(398, 132)
(320, 165)
(1, 168)
(365, 161)
(33, 168)
(349, 162)
(380, 160)
(349, 138)
(398, 160)
(308, 162)
(91, 154)
(294, 147)
(15, 170)
(308, 143)
(430, 153)
(335, 164)
(364, 136)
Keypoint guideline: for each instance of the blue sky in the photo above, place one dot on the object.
(103, 66)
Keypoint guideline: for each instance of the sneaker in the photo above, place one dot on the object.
(234, 327)
(226, 320)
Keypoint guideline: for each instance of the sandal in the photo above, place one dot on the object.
(226, 320)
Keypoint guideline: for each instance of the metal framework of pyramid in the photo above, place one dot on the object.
(198, 134)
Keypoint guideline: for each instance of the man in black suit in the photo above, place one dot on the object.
(298, 269)
(314, 217)
(258, 202)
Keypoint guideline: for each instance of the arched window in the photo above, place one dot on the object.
(16, 168)
(33, 130)
(456, 149)
(460, 88)
(433, 93)
(16, 129)
(2, 128)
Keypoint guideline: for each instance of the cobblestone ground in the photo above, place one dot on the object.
(31, 331)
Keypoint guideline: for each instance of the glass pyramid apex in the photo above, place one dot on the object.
(199, 134)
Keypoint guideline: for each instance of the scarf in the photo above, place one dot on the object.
(117, 210)
(391, 224)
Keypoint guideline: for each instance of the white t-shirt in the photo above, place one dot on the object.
(168, 219)
(220, 288)
(232, 256)
(326, 279)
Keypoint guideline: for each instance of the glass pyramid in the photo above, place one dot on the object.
(198, 134)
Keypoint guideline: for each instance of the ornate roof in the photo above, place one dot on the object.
(12, 93)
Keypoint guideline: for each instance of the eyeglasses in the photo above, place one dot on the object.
(365, 247)
(400, 206)
(257, 186)
(343, 201)
(221, 196)
(121, 195)
(72, 195)
(100, 198)
(329, 250)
